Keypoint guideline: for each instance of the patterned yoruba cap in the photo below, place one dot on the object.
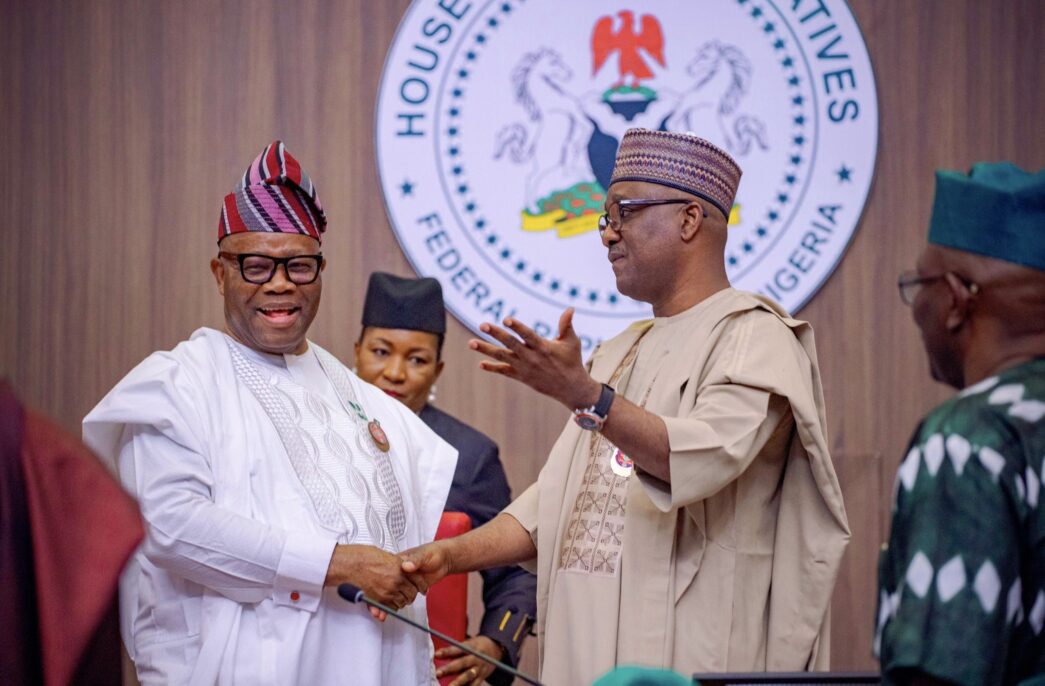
(997, 210)
(678, 160)
(274, 194)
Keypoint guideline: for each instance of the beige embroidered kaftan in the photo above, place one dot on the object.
(732, 564)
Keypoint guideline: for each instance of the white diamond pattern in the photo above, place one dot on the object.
(883, 617)
(951, 578)
(992, 461)
(1014, 603)
(1009, 393)
(980, 387)
(884, 609)
(934, 453)
(1037, 613)
(987, 586)
(909, 469)
(890, 606)
(1021, 490)
(1033, 488)
(919, 574)
(958, 450)
(1029, 410)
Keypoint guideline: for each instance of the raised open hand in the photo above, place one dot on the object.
(550, 366)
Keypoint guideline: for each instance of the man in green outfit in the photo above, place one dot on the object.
(962, 582)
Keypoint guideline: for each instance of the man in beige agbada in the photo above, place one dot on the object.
(690, 517)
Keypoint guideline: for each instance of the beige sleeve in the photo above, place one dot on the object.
(524, 509)
(729, 422)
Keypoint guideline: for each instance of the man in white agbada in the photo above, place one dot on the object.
(267, 474)
(690, 518)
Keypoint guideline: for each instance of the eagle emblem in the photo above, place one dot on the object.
(605, 41)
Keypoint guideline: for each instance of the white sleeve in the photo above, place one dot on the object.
(434, 461)
(190, 536)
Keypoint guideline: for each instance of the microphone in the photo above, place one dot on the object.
(354, 594)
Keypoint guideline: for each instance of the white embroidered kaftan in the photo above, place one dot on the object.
(248, 469)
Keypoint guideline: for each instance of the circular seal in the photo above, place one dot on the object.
(497, 129)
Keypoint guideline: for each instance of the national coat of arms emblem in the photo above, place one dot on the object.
(498, 122)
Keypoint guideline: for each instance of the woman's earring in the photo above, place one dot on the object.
(431, 394)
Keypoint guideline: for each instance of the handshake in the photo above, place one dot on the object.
(390, 579)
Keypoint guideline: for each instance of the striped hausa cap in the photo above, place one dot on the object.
(678, 160)
(274, 194)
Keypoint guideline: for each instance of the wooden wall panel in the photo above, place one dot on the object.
(124, 123)
(860, 478)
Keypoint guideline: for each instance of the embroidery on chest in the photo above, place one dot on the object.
(375, 443)
(594, 536)
(595, 533)
(333, 456)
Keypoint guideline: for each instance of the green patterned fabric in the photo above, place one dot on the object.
(962, 580)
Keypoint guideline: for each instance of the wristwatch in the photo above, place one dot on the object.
(592, 418)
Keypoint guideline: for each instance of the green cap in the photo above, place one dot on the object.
(642, 676)
(997, 210)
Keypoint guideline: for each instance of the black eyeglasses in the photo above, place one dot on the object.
(622, 210)
(910, 282)
(259, 269)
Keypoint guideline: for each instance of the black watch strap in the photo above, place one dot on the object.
(602, 407)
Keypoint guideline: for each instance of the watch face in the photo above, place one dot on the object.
(586, 421)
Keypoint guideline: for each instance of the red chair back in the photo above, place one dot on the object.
(448, 599)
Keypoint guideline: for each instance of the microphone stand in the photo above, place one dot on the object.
(354, 594)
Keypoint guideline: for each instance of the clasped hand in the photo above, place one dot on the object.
(377, 572)
(392, 580)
